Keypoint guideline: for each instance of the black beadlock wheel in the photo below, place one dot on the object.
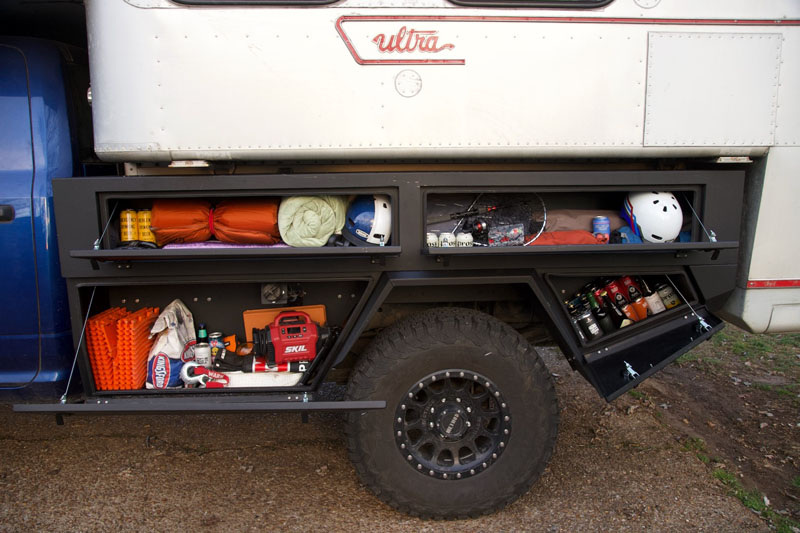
(471, 417)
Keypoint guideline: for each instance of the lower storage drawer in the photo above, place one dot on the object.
(630, 325)
(195, 337)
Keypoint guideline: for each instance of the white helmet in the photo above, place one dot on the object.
(654, 216)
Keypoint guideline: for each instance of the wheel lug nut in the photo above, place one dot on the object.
(502, 444)
(432, 410)
(431, 424)
(430, 472)
(461, 374)
(443, 400)
(444, 476)
(469, 409)
(399, 433)
(403, 407)
(469, 424)
(506, 419)
(409, 457)
(458, 476)
(399, 419)
(411, 395)
(497, 394)
(485, 465)
(458, 400)
(503, 405)
(494, 456)
(448, 375)
(487, 384)
(505, 431)
(403, 446)
(419, 467)
(472, 472)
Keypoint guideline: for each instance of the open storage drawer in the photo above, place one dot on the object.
(616, 358)
(651, 213)
(202, 218)
(118, 357)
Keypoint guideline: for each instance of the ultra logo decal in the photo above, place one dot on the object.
(395, 41)
(410, 41)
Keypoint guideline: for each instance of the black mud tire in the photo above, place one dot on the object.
(426, 345)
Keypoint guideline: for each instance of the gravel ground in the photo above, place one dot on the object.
(616, 468)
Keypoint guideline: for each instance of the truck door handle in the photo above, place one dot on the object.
(6, 213)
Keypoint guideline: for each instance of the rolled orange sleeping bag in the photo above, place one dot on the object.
(247, 221)
(240, 221)
(180, 220)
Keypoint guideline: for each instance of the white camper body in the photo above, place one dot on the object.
(369, 80)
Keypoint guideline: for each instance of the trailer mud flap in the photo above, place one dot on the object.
(617, 368)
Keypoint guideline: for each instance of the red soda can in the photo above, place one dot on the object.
(632, 290)
(616, 291)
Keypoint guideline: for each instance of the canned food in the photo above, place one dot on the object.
(216, 343)
(667, 294)
(202, 354)
(432, 239)
(601, 227)
(128, 226)
(589, 325)
(143, 217)
(464, 239)
(447, 240)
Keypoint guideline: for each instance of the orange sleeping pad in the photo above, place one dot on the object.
(238, 220)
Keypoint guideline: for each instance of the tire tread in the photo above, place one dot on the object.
(397, 343)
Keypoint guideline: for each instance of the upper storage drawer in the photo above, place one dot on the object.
(207, 218)
(652, 213)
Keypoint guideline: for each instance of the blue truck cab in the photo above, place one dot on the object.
(35, 147)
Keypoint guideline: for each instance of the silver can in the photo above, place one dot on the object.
(202, 354)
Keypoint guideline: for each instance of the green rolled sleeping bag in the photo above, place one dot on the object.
(309, 221)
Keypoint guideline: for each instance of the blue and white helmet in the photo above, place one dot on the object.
(368, 220)
(654, 216)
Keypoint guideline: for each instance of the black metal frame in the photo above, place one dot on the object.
(205, 404)
(407, 262)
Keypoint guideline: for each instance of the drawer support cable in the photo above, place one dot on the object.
(80, 342)
(704, 326)
(96, 245)
(712, 237)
